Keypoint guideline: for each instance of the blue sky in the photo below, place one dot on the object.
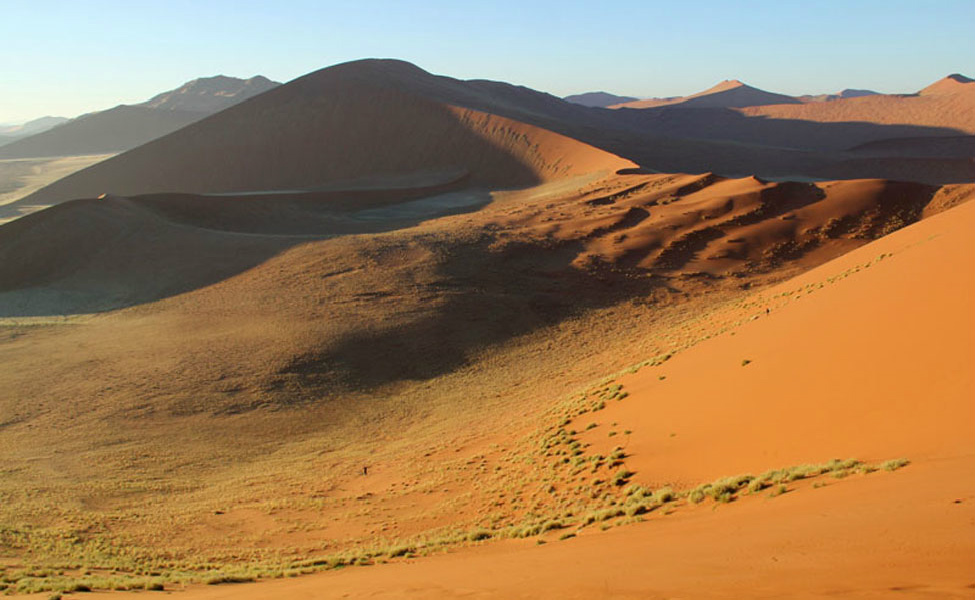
(70, 57)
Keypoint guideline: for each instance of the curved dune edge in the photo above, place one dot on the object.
(871, 356)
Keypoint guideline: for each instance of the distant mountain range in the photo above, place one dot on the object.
(11, 133)
(125, 127)
(32, 127)
(848, 93)
(728, 94)
(210, 94)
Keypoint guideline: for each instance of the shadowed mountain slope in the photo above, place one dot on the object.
(114, 130)
(847, 93)
(31, 127)
(211, 94)
(598, 99)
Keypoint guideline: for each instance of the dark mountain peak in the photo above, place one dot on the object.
(210, 94)
(598, 99)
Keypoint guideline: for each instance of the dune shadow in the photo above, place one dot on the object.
(490, 296)
(92, 256)
(731, 125)
(729, 143)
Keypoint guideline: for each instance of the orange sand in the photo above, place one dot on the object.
(874, 365)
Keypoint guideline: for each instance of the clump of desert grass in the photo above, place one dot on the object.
(572, 490)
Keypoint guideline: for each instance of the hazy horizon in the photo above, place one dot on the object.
(133, 52)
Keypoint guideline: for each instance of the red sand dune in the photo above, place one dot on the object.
(949, 102)
(704, 224)
(825, 140)
(862, 357)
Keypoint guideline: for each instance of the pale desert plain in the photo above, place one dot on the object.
(379, 333)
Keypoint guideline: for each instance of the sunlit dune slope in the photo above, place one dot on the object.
(730, 93)
(948, 103)
(712, 226)
(869, 355)
(845, 138)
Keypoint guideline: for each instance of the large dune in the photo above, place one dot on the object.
(343, 123)
(867, 356)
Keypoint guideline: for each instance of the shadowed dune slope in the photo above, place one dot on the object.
(961, 146)
(94, 255)
(788, 138)
(847, 93)
(352, 121)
